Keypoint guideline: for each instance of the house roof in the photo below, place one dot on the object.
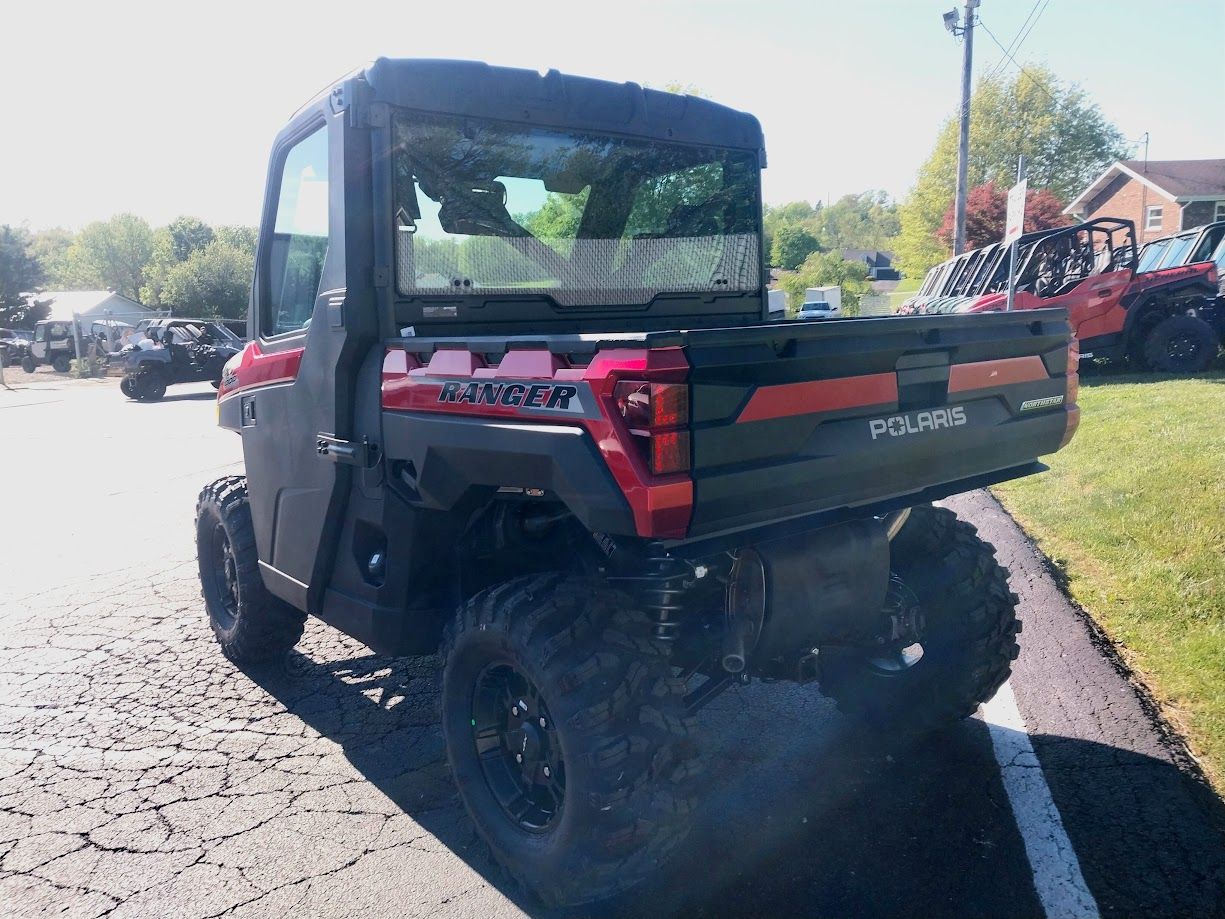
(873, 256)
(64, 303)
(1182, 180)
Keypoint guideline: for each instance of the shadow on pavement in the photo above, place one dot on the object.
(809, 814)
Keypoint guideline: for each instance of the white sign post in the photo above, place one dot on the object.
(1014, 226)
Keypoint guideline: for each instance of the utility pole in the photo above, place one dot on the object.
(963, 142)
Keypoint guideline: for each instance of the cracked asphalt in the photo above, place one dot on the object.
(142, 774)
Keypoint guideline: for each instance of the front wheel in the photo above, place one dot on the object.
(949, 589)
(567, 735)
(1181, 344)
(149, 386)
(126, 387)
(28, 364)
(251, 625)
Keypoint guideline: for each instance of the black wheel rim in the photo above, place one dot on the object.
(225, 577)
(1183, 349)
(518, 747)
(903, 651)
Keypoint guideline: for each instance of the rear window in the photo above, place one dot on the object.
(493, 209)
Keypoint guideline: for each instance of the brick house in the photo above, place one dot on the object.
(1161, 197)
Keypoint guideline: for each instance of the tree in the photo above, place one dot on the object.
(187, 234)
(20, 273)
(109, 254)
(867, 220)
(213, 281)
(791, 245)
(243, 239)
(1065, 138)
(825, 269)
(51, 247)
(987, 213)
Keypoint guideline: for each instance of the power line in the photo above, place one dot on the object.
(1022, 39)
(1023, 33)
(1032, 78)
(1000, 62)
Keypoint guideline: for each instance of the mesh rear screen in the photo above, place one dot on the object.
(488, 209)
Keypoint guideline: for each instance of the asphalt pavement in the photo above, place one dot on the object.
(142, 774)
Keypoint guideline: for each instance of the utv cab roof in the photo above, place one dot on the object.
(553, 99)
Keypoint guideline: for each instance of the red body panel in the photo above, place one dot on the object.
(661, 505)
(1095, 306)
(819, 396)
(984, 374)
(256, 367)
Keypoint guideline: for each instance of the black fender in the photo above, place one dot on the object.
(443, 459)
(1141, 304)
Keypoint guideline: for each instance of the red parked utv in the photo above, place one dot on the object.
(513, 398)
(1160, 316)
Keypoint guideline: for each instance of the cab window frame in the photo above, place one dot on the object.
(317, 123)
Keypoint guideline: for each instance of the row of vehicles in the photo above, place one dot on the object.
(1160, 308)
(154, 354)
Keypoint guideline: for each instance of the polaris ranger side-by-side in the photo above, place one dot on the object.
(513, 398)
(1158, 314)
(187, 351)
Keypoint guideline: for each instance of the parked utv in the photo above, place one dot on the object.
(1161, 316)
(53, 343)
(574, 459)
(186, 351)
(14, 346)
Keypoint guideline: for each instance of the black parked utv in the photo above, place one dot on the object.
(513, 398)
(186, 351)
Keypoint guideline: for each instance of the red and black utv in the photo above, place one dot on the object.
(513, 398)
(1159, 315)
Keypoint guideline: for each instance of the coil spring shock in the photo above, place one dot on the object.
(661, 588)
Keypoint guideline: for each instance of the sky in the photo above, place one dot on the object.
(162, 109)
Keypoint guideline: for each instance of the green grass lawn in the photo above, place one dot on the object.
(1133, 510)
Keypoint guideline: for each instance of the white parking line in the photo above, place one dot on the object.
(1052, 860)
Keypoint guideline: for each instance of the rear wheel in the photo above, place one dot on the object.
(62, 363)
(251, 625)
(1181, 344)
(567, 735)
(948, 587)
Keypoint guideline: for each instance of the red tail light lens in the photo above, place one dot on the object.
(669, 452)
(658, 413)
(652, 405)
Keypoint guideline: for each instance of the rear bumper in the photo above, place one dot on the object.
(730, 540)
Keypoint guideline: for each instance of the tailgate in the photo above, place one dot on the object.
(795, 418)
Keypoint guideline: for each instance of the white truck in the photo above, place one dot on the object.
(821, 303)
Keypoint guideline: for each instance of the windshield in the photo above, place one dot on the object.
(1176, 252)
(485, 208)
(1151, 253)
(1210, 241)
(222, 335)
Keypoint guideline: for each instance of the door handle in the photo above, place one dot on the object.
(349, 452)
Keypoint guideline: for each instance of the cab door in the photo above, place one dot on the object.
(296, 384)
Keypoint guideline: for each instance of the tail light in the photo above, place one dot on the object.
(657, 414)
